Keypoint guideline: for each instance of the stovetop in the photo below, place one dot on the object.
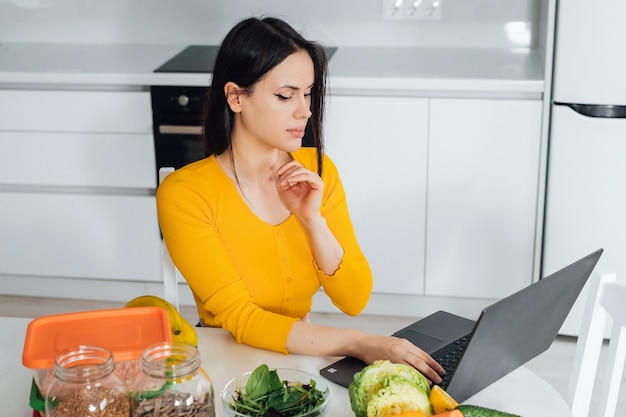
(200, 59)
(194, 58)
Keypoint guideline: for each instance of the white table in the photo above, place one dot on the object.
(521, 392)
(15, 379)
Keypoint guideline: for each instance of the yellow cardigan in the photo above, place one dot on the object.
(251, 278)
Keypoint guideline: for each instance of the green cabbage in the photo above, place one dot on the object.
(398, 395)
(383, 383)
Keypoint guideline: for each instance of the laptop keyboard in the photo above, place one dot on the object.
(449, 357)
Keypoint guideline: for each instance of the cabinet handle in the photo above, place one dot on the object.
(180, 130)
(606, 111)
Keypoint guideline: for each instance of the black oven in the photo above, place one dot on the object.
(177, 125)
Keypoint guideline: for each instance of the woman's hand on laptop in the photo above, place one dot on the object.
(399, 350)
(312, 339)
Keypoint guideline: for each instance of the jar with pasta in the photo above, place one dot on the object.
(85, 384)
(172, 383)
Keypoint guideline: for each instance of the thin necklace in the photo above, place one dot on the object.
(234, 171)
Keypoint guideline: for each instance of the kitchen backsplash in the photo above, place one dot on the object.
(477, 23)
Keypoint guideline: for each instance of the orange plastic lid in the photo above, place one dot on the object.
(126, 332)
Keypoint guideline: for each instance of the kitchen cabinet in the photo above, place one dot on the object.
(483, 173)
(442, 191)
(76, 138)
(79, 235)
(77, 186)
(379, 145)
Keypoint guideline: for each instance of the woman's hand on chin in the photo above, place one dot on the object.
(300, 190)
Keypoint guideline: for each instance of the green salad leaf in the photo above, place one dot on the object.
(265, 395)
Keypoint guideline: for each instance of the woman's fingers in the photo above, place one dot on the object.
(424, 363)
(431, 371)
(430, 362)
(400, 350)
(293, 173)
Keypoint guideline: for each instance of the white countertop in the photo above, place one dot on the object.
(353, 70)
(89, 64)
(411, 71)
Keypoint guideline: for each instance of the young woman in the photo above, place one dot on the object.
(260, 224)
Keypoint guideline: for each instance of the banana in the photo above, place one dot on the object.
(182, 331)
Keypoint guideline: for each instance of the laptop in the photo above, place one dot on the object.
(506, 335)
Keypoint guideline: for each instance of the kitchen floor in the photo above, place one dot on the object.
(554, 365)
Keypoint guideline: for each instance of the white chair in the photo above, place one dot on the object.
(169, 272)
(606, 303)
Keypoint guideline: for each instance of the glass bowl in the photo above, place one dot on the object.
(238, 384)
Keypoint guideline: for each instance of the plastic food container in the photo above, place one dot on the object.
(126, 332)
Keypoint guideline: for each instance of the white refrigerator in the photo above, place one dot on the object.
(586, 173)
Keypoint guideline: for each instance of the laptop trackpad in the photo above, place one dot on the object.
(424, 342)
(435, 331)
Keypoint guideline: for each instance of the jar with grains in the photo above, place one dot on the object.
(85, 384)
(172, 383)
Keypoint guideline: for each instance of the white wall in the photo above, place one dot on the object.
(477, 23)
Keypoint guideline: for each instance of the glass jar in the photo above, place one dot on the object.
(172, 383)
(85, 385)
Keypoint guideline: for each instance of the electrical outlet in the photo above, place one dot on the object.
(412, 9)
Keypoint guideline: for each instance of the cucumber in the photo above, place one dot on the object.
(476, 411)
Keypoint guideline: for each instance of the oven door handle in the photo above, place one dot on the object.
(180, 130)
